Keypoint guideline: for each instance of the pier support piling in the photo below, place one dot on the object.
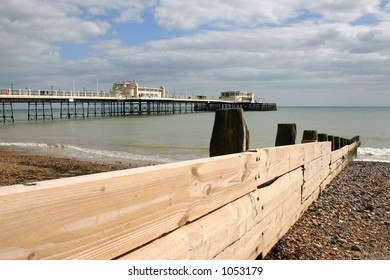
(6, 112)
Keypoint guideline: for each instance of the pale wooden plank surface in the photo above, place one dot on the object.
(203, 238)
(264, 235)
(314, 183)
(280, 160)
(210, 235)
(336, 155)
(315, 172)
(312, 168)
(102, 216)
(105, 215)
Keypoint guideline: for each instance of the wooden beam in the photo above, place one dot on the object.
(105, 215)
(259, 239)
(314, 173)
(209, 236)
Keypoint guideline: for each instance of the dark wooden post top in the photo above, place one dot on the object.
(230, 133)
(286, 135)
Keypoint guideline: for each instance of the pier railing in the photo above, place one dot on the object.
(53, 93)
(37, 93)
(233, 206)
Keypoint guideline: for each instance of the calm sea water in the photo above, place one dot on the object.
(187, 136)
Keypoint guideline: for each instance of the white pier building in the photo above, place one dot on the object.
(131, 89)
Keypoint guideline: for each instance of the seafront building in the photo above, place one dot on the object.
(131, 89)
(237, 96)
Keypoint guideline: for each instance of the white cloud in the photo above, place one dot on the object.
(239, 49)
(191, 14)
(39, 20)
(343, 10)
(304, 56)
(176, 14)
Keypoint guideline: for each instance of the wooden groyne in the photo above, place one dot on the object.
(234, 206)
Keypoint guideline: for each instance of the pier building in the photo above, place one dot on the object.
(237, 96)
(131, 89)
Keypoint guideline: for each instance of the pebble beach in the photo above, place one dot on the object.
(350, 220)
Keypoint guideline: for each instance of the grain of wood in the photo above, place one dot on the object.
(192, 204)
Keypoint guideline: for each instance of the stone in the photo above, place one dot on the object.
(342, 240)
(355, 248)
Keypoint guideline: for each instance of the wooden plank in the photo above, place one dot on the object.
(277, 161)
(202, 238)
(336, 155)
(312, 168)
(315, 172)
(286, 217)
(314, 183)
(210, 235)
(337, 166)
(290, 217)
(264, 235)
(105, 215)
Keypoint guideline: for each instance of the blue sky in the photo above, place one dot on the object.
(293, 52)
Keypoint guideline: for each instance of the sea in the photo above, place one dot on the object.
(179, 137)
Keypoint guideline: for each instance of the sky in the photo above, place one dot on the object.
(292, 52)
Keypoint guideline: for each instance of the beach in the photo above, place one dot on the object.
(350, 220)
(23, 167)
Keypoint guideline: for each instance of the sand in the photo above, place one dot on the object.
(21, 167)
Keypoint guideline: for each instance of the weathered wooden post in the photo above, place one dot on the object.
(309, 136)
(337, 143)
(286, 135)
(343, 142)
(357, 140)
(331, 139)
(322, 137)
(230, 133)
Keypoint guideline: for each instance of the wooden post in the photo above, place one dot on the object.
(286, 135)
(309, 136)
(337, 142)
(331, 139)
(322, 137)
(230, 133)
(355, 139)
(344, 142)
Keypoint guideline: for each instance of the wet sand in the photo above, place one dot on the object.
(20, 167)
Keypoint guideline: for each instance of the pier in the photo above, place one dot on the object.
(58, 104)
